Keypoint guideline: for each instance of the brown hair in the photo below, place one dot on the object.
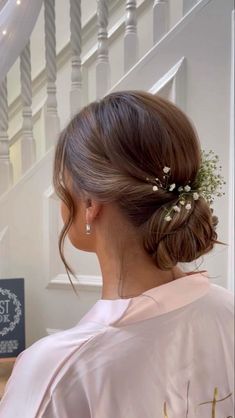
(111, 146)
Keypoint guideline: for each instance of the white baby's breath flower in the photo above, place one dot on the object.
(187, 188)
(188, 206)
(176, 208)
(195, 196)
(172, 187)
(180, 189)
(155, 188)
(182, 202)
(168, 218)
(166, 169)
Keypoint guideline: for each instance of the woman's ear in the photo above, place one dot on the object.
(93, 209)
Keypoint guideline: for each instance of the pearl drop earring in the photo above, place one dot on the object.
(88, 229)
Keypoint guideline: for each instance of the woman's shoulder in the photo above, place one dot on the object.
(220, 303)
(38, 367)
(222, 295)
(57, 347)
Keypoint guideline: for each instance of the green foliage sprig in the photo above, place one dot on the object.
(209, 181)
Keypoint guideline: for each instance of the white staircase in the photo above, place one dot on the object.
(178, 49)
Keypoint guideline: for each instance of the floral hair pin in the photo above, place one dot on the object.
(207, 185)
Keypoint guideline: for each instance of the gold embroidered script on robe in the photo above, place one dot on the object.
(213, 403)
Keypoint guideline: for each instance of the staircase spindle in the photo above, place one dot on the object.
(160, 19)
(52, 124)
(130, 37)
(28, 146)
(6, 170)
(102, 64)
(76, 47)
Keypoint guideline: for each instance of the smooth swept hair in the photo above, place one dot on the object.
(111, 146)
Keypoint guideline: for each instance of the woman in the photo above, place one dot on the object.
(136, 190)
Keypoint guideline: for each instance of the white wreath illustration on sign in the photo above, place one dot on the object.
(18, 311)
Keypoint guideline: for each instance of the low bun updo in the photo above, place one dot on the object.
(187, 237)
(109, 149)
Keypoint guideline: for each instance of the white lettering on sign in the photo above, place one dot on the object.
(8, 346)
(4, 318)
(4, 306)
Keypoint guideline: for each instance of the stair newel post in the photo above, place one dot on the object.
(130, 38)
(160, 19)
(102, 63)
(28, 146)
(76, 101)
(52, 123)
(6, 170)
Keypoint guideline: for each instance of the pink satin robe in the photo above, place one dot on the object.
(168, 353)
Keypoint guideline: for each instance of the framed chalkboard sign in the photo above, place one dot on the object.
(12, 317)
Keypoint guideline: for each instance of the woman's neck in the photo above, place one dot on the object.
(137, 274)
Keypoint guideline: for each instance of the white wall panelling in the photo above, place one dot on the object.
(4, 252)
(160, 19)
(188, 4)
(173, 84)
(85, 282)
(231, 215)
(50, 234)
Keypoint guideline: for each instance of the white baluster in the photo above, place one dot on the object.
(28, 147)
(188, 5)
(52, 124)
(160, 19)
(102, 64)
(6, 171)
(76, 46)
(130, 37)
